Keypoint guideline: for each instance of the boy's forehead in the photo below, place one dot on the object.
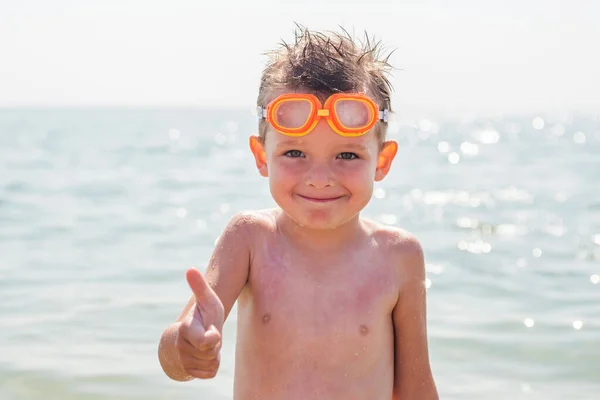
(316, 138)
(274, 93)
(324, 136)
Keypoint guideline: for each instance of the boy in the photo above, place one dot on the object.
(330, 305)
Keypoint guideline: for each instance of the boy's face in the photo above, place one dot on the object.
(322, 180)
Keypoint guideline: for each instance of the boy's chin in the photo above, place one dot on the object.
(318, 220)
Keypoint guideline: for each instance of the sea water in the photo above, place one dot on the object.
(103, 210)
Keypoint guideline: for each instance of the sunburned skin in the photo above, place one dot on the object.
(313, 325)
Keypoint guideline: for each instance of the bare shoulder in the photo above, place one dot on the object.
(402, 248)
(247, 225)
(252, 221)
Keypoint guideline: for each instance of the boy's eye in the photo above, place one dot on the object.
(294, 153)
(347, 155)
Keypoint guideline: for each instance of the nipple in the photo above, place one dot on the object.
(266, 318)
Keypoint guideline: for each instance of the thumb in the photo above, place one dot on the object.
(200, 336)
(202, 291)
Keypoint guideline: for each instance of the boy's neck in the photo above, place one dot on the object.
(320, 239)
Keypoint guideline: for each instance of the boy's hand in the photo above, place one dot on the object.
(199, 335)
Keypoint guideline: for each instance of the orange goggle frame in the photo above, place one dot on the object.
(327, 111)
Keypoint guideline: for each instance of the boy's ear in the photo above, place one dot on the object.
(258, 150)
(384, 161)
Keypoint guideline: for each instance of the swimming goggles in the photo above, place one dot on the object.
(348, 114)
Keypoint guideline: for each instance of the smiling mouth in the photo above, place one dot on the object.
(320, 199)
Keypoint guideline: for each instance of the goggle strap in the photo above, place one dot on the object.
(261, 112)
(384, 115)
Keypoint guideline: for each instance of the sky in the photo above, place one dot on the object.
(473, 55)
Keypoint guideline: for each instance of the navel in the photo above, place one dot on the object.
(266, 318)
(364, 330)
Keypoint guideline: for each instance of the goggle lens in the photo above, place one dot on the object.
(353, 114)
(293, 113)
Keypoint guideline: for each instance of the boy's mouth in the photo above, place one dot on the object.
(320, 199)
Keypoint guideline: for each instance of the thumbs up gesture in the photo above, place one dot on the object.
(199, 335)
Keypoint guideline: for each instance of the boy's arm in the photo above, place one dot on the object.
(229, 266)
(226, 274)
(413, 376)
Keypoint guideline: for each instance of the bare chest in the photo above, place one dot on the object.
(307, 326)
(345, 301)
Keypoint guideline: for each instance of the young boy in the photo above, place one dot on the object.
(330, 305)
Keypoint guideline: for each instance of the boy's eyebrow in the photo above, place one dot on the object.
(357, 146)
(289, 142)
(296, 142)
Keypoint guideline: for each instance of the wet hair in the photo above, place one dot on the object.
(325, 63)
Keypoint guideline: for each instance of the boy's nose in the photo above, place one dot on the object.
(319, 176)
